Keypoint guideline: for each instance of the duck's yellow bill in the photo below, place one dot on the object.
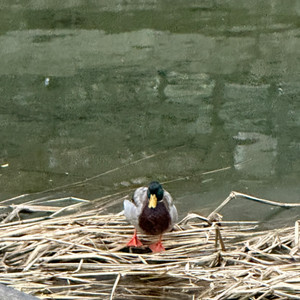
(152, 201)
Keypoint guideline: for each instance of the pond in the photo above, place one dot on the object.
(101, 97)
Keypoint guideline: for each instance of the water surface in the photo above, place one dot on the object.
(201, 95)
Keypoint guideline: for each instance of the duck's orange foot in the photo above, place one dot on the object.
(157, 247)
(134, 242)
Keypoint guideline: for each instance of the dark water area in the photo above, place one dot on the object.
(201, 95)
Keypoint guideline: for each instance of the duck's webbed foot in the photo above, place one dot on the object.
(157, 247)
(134, 242)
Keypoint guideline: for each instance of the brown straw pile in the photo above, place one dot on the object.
(81, 254)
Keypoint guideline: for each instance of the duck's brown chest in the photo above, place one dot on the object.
(156, 220)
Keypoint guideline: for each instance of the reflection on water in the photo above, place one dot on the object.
(151, 92)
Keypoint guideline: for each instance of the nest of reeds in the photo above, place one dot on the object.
(82, 254)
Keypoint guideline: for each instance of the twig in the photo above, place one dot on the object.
(234, 194)
(13, 199)
(114, 287)
(297, 234)
(216, 171)
(219, 238)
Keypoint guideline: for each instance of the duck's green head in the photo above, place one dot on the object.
(155, 193)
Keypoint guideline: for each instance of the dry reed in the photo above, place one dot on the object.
(81, 254)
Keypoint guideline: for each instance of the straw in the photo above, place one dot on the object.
(76, 253)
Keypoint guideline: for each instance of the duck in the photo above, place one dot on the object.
(151, 211)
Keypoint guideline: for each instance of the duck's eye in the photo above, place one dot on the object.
(160, 195)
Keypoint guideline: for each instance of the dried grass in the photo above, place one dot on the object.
(82, 255)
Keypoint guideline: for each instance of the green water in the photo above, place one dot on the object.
(202, 95)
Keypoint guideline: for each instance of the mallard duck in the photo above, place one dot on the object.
(152, 212)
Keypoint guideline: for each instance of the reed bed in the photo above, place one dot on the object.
(72, 252)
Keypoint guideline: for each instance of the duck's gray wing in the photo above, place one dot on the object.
(133, 208)
(168, 200)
